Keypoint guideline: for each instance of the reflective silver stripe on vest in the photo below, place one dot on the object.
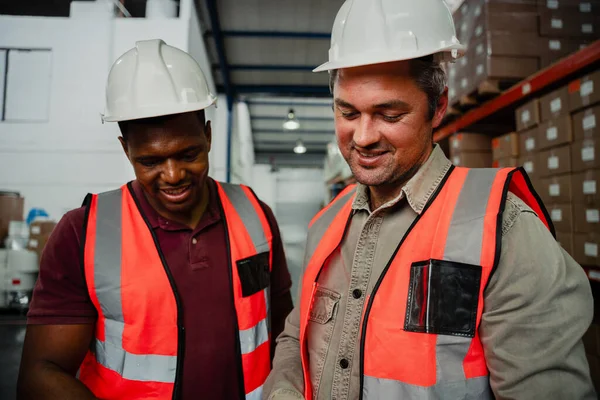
(464, 243)
(247, 213)
(256, 394)
(320, 226)
(465, 234)
(253, 337)
(107, 282)
(386, 389)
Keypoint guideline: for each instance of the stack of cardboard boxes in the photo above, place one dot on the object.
(472, 150)
(561, 154)
(505, 151)
(566, 26)
(511, 40)
(39, 233)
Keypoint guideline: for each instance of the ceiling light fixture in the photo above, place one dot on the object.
(291, 123)
(300, 148)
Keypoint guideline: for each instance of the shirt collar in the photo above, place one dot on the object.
(417, 190)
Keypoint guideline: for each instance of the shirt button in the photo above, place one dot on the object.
(194, 241)
(356, 293)
(344, 363)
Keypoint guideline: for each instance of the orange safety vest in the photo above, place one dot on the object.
(139, 335)
(419, 337)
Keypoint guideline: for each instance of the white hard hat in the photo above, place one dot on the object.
(155, 79)
(378, 31)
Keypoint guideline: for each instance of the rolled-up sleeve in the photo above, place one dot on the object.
(538, 305)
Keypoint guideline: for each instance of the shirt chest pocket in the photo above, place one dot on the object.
(324, 306)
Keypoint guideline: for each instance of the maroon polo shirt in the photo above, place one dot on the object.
(198, 261)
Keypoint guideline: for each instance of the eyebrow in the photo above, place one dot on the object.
(178, 154)
(392, 104)
(381, 106)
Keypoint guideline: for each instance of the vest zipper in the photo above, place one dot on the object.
(180, 326)
(238, 349)
(385, 270)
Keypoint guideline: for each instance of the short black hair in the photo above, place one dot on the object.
(124, 125)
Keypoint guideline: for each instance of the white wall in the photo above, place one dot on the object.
(55, 163)
(242, 149)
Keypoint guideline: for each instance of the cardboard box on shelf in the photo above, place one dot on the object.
(591, 7)
(561, 216)
(473, 159)
(586, 124)
(500, 6)
(554, 104)
(528, 141)
(505, 146)
(555, 132)
(41, 227)
(473, 29)
(568, 24)
(553, 49)
(586, 187)
(585, 154)
(466, 141)
(504, 67)
(556, 161)
(11, 209)
(528, 115)
(515, 44)
(509, 162)
(471, 11)
(585, 91)
(38, 242)
(556, 190)
(531, 165)
(565, 239)
(586, 218)
(586, 248)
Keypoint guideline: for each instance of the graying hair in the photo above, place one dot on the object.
(429, 75)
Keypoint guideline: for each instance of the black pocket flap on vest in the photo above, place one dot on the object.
(254, 273)
(443, 298)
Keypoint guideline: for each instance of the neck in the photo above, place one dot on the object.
(381, 194)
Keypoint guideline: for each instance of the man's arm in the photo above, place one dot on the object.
(538, 305)
(61, 319)
(286, 381)
(52, 355)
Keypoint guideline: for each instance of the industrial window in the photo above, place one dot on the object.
(25, 76)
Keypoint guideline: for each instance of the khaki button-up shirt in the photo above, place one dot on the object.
(538, 304)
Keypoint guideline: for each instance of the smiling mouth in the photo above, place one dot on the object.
(175, 191)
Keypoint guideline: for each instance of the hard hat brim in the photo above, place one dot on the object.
(159, 111)
(385, 57)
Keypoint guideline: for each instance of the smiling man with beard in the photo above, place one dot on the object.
(173, 286)
(425, 280)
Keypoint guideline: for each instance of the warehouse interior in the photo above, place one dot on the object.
(526, 94)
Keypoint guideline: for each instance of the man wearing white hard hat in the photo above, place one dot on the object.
(173, 286)
(425, 280)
